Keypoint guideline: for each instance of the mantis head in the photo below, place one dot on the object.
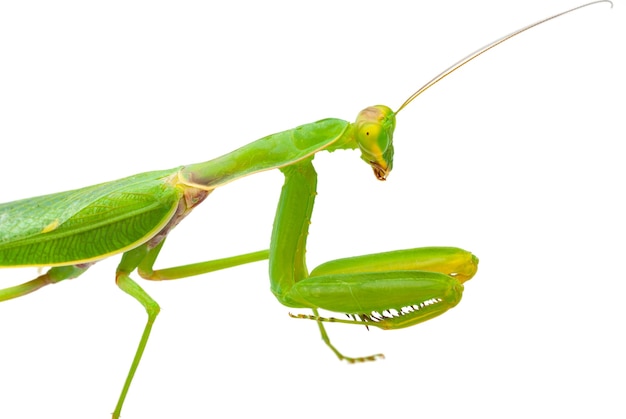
(374, 134)
(375, 124)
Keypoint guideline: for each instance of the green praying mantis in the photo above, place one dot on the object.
(70, 231)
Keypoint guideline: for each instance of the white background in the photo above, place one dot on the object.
(517, 157)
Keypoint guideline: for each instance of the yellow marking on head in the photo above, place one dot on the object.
(50, 227)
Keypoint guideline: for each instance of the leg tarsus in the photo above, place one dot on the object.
(326, 340)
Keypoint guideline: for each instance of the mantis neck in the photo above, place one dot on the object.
(272, 152)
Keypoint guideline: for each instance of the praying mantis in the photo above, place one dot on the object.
(380, 167)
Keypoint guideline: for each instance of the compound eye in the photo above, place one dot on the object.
(370, 130)
(371, 140)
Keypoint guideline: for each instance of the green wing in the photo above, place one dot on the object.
(86, 224)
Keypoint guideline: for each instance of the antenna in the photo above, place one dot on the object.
(486, 48)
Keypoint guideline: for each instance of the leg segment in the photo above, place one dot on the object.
(54, 275)
(452, 261)
(146, 270)
(129, 262)
(341, 356)
(392, 289)
(388, 300)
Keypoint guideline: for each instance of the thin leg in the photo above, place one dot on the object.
(144, 259)
(53, 276)
(129, 262)
(146, 267)
(341, 357)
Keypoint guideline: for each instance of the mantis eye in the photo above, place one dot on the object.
(370, 139)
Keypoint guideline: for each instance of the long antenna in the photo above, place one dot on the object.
(486, 48)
